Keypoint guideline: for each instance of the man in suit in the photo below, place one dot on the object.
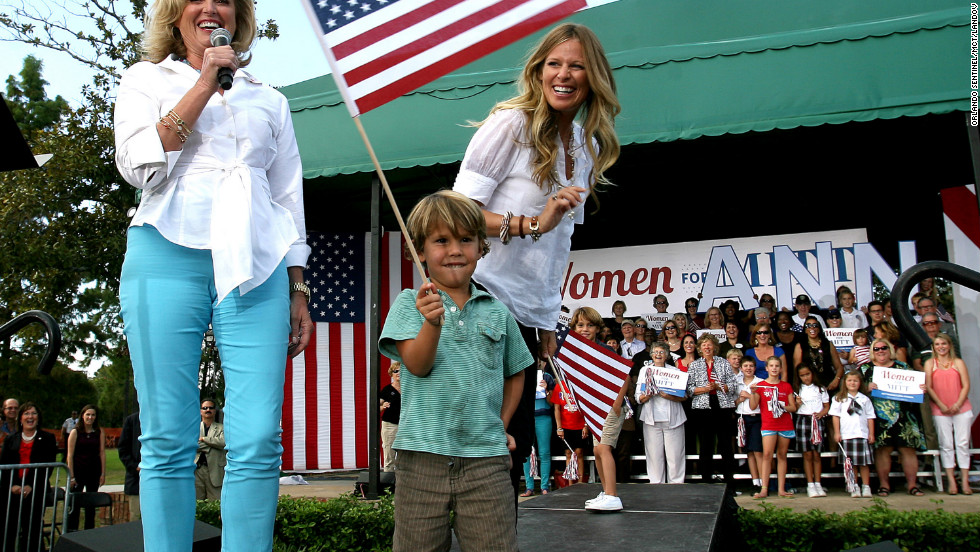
(210, 458)
(129, 454)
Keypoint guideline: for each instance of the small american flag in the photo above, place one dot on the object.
(595, 375)
(379, 50)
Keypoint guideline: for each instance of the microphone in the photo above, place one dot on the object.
(221, 37)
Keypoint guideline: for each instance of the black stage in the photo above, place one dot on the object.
(689, 518)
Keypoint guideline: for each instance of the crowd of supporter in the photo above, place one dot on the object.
(730, 353)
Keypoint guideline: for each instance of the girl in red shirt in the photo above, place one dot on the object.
(776, 400)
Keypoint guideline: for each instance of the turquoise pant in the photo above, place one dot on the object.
(542, 434)
(168, 298)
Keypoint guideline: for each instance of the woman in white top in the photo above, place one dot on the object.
(663, 424)
(530, 166)
(219, 239)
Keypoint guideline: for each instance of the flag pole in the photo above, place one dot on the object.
(391, 198)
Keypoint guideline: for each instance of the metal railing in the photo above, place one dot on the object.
(33, 520)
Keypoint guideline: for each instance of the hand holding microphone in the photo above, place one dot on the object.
(221, 37)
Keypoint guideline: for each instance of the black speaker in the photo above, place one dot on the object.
(386, 482)
(883, 546)
(128, 537)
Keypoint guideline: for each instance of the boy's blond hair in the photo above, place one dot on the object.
(588, 314)
(461, 214)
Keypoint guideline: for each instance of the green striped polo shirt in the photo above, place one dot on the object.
(455, 409)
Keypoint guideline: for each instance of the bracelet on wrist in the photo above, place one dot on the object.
(505, 228)
(535, 229)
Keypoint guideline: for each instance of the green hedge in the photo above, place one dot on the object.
(349, 523)
(777, 529)
(316, 525)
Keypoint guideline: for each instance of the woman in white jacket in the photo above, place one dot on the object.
(663, 423)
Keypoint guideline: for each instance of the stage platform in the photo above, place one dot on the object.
(688, 518)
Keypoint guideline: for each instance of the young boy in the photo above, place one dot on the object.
(587, 322)
(463, 359)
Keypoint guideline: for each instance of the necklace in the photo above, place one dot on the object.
(184, 60)
(26, 438)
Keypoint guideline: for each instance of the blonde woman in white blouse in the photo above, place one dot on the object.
(218, 240)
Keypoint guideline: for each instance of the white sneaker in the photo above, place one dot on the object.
(811, 491)
(597, 498)
(856, 494)
(820, 491)
(866, 491)
(608, 503)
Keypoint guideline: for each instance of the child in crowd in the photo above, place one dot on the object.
(751, 417)
(810, 433)
(464, 359)
(571, 423)
(861, 352)
(587, 323)
(776, 400)
(734, 358)
(854, 426)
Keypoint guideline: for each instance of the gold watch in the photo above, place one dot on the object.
(300, 286)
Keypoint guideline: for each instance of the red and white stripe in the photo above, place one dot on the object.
(325, 411)
(595, 375)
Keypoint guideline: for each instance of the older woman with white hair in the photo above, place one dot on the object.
(663, 421)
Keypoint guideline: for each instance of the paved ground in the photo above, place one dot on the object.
(333, 485)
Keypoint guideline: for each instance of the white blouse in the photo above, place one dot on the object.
(496, 171)
(235, 188)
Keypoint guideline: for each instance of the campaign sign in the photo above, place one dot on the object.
(898, 385)
(720, 334)
(657, 319)
(670, 380)
(842, 338)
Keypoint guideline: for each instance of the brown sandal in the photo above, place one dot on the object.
(915, 491)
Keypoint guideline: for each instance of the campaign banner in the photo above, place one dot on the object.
(657, 320)
(670, 380)
(720, 334)
(898, 385)
(784, 266)
(842, 338)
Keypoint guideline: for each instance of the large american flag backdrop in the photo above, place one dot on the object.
(381, 49)
(325, 411)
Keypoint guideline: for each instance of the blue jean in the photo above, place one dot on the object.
(542, 434)
(168, 298)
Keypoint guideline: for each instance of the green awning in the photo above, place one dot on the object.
(683, 70)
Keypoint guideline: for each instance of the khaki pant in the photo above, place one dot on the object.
(202, 485)
(134, 507)
(388, 433)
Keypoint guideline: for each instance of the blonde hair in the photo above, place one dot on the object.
(162, 38)
(395, 365)
(590, 315)
(949, 341)
(459, 213)
(842, 392)
(599, 110)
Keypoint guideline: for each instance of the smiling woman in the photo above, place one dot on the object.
(531, 166)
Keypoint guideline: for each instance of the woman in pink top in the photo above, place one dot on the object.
(949, 384)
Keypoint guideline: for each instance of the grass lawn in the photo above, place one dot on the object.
(115, 472)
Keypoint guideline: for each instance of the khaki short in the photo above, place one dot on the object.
(611, 428)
